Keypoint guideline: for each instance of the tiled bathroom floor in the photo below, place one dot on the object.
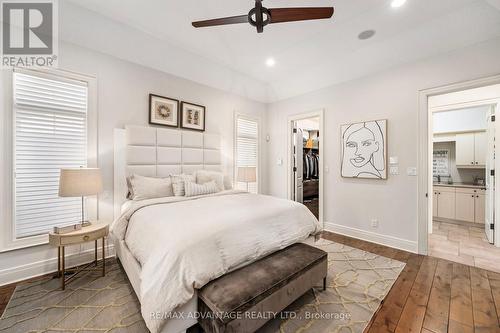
(464, 244)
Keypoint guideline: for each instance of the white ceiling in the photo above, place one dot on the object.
(310, 55)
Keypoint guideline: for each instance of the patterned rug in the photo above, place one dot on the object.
(357, 283)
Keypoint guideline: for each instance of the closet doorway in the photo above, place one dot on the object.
(305, 161)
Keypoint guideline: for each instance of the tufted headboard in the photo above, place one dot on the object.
(160, 152)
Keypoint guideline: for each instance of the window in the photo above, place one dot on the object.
(247, 147)
(50, 133)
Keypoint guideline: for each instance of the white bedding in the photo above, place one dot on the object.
(184, 243)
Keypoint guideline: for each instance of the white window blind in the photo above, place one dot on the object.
(247, 144)
(50, 133)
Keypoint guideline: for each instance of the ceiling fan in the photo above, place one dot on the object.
(260, 16)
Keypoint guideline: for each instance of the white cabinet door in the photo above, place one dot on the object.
(480, 148)
(465, 149)
(446, 204)
(480, 208)
(464, 206)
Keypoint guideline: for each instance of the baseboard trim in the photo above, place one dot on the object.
(28, 271)
(397, 243)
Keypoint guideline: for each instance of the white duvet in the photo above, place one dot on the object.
(184, 243)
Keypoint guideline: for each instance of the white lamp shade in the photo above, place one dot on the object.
(247, 174)
(80, 182)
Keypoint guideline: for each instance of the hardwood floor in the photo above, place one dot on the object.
(313, 205)
(5, 293)
(434, 295)
(431, 295)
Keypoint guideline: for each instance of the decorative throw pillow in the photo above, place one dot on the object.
(205, 176)
(178, 183)
(130, 193)
(192, 189)
(141, 187)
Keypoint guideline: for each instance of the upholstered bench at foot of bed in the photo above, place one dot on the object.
(243, 300)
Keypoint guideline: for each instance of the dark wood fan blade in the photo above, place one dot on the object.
(279, 15)
(221, 21)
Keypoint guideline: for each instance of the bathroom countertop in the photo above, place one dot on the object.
(482, 187)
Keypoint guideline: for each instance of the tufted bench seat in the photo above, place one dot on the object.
(241, 301)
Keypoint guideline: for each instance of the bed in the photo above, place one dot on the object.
(171, 246)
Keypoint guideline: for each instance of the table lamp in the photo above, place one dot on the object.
(80, 182)
(247, 175)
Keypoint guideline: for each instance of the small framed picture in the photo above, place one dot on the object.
(192, 116)
(163, 111)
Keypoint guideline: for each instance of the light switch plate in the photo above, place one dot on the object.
(393, 160)
(394, 170)
(280, 161)
(411, 171)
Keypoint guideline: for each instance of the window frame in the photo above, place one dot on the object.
(8, 239)
(239, 115)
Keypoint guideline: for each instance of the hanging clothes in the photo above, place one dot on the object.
(306, 166)
(315, 158)
(310, 165)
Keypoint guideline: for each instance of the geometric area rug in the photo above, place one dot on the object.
(357, 283)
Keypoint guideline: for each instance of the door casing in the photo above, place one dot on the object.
(424, 200)
(289, 164)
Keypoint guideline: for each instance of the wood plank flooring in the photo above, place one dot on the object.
(431, 295)
(434, 295)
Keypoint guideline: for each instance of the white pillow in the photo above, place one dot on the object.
(204, 176)
(228, 183)
(192, 189)
(178, 183)
(141, 187)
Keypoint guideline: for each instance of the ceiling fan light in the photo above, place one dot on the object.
(397, 3)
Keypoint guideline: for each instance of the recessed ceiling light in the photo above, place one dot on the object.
(270, 62)
(397, 3)
(367, 34)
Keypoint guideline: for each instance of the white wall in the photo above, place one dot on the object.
(308, 124)
(350, 204)
(470, 119)
(123, 90)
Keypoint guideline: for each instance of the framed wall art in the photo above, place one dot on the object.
(192, 116)
(163, 111)
(364, 150)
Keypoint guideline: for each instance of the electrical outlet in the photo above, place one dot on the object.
(374, 223)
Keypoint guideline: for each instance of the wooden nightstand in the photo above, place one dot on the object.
(94, 232)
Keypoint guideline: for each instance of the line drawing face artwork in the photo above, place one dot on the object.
(364, 150)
